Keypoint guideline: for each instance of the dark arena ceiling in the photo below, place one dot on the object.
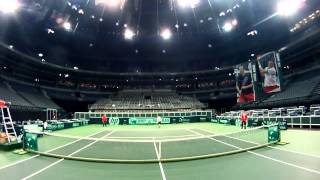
(149, 35)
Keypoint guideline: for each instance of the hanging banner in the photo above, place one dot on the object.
(269, 72)
(245, 82)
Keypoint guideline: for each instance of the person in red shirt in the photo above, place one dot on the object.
(104, 120)
(2, 103)
(244, 119)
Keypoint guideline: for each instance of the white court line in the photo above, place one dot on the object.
(286, 163)
(18, 162)
(296, 152)
(150, 129)
(270, 158)
(57, 162)
(160, 164)
(194, 132)
(150, 137)
(32, 157)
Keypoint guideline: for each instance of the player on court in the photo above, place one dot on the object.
(159, 121)
(244, 119)
(104, 120)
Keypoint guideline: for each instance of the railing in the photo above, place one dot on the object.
(292, 121)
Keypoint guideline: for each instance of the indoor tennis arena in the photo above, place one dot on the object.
(159, 89)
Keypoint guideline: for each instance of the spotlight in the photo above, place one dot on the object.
(128, 34)
(188, 3)
(67, 26)
(111, 3)
(166, 34)
(9, 6)
(81, 11)
(222, 14)
(227, 27)
(50, 31)
(234, 22)
(74, 7)
(289, 7)
(59, 20)
(252, 33)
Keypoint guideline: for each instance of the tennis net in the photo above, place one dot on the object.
(101, 147)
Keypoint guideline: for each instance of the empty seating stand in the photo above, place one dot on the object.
(147, 100)
(38, 99)
(10, 96)
(298, 89)
(316, 90)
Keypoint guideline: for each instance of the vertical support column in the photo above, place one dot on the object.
(310, 121)
(300, 122)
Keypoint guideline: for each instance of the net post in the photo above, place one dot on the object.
(274, 133)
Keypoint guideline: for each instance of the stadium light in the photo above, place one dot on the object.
(234, 22)
(111, 3)
(50, 31)
(227, 27)
(67, 26)
(128, 34)
(166, 34)
(188, 3)
(9, 6)
(289, 7)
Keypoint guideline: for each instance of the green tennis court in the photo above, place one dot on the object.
(144, 152)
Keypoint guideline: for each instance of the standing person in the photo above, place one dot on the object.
(244, 119)
(269, 73)
(104, 120)
(54, 117)
(45, 125)
(159, 121)
(244, 86)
